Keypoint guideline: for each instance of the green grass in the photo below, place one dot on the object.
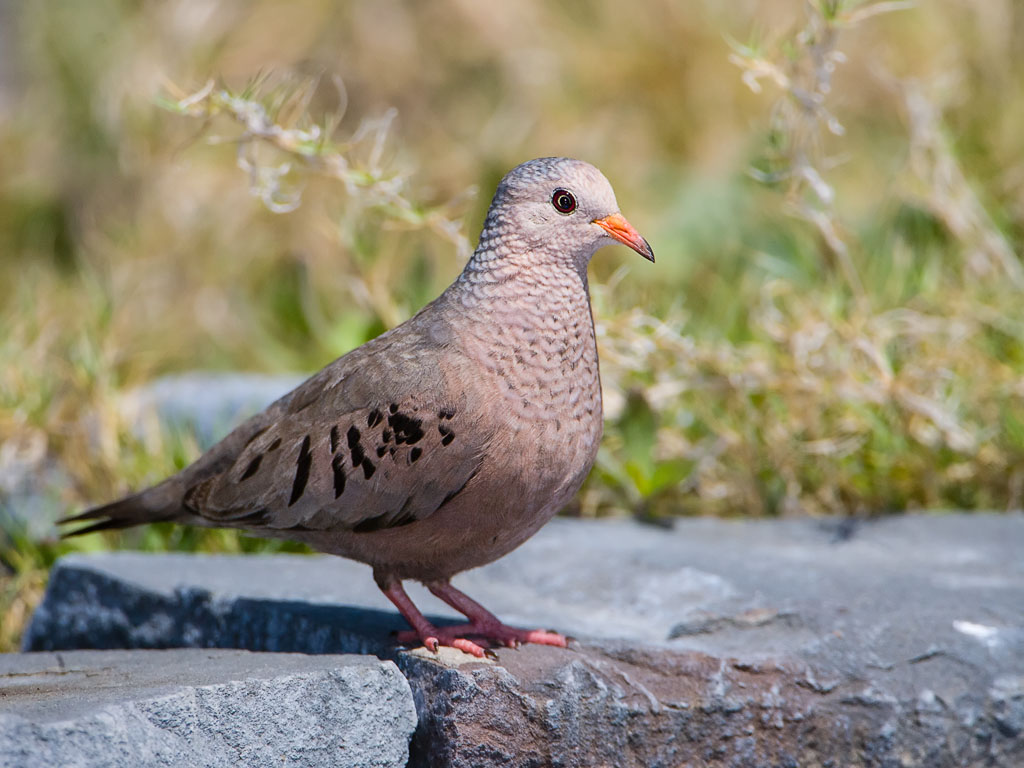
(833, 326)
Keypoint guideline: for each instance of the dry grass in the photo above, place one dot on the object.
(878, 390)
(833, 325)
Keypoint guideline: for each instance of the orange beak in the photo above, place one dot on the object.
(618, 228)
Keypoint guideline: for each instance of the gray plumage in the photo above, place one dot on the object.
(446, 442)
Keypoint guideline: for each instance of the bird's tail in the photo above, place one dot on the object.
(154, 505)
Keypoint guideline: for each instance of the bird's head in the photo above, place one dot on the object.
(559, 206)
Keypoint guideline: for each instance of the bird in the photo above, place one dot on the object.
(444, 443)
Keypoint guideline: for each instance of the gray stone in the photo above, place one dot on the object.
(204, 403)
(201, 707)
(31, 488)
(896, 642)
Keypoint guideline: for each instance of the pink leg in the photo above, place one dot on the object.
(484, 624)
(423, 630)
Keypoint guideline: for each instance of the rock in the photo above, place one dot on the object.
(610, 704)
(31, 487)
(899, 642)
(201, 707)
(260, 603)
(204, 403)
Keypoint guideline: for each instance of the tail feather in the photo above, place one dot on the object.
(149, 506)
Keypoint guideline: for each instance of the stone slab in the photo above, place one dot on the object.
(207, 404)
(191, 707)
(896, 642)
(203, 404)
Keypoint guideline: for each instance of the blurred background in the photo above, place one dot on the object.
(835, 191)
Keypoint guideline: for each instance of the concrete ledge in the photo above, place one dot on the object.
(899, 642)
(202, 707)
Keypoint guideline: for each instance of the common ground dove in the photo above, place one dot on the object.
(446, 442)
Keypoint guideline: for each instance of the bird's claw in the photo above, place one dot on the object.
(467, 646)
(497, 634)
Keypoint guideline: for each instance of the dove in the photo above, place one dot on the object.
(446, 442)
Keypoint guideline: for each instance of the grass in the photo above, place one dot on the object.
(833, 326)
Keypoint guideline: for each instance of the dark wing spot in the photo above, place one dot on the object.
(337, 466)
(386, 435)
(368, 468)
(393, 408)
(447, 439)
(252, 469)
(407, 429)
(335, 438)
(303, 463)
(446, 413)
(355, 447)
(444, 429)
(381, 450)
(415, 453)
(274, 445)
(374, 418)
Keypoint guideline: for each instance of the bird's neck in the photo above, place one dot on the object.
(514, 288)
(530, 326)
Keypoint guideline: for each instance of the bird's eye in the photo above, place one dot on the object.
(563, 201)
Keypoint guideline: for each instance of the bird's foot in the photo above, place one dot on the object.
(457, 636)
(453, 637)
(483, 625)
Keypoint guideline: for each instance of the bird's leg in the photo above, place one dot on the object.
(423, 630)
(483, 623)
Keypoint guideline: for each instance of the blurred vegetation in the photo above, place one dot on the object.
(835, 192)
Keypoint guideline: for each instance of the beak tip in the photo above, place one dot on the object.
(648, 251)
(619, 229)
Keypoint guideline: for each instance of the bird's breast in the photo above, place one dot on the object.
(543, 369)
(538, 374)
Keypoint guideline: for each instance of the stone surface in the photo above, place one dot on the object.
(204, 403)
(201, 707)
(896, 642)
(31, 489)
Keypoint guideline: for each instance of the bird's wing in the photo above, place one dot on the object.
(380, 438)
